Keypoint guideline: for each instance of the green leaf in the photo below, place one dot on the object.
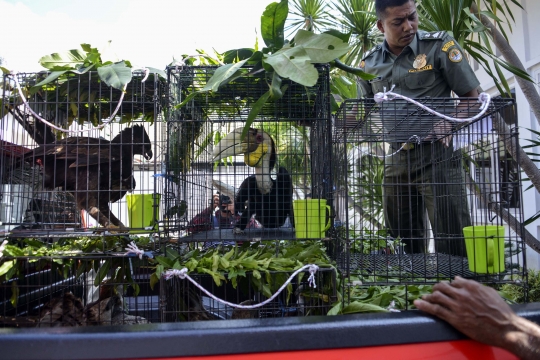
(68, 60)
(52, 76)
(5, 267)
(186, 100)
(353, 70)
(273, 24)
(14, 294)
(344, 37)
(223, 75)
(14, 250)
(321, 48)
(231, 56)
(154, 279)
(255, 109)
(336, 309)
(275, 87)
(165, 261)
(256, 274)
(293, 63)
(359, 307)
(158, 72)
(102, 272)
(117, 75)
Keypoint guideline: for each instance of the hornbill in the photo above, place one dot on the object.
(96, 171)
(270, 200)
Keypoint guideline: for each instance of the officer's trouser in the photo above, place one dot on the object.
(430, 176)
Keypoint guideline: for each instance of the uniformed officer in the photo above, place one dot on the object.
(427, 176)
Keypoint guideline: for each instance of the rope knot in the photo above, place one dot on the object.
(383, 96)
(311, 279)
(484, 98)
(169, 274)
(133, 249)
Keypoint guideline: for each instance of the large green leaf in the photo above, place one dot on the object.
(6, 266)
(293, 63)
(255, 109)
(52, 76)
(273, 23)
(231, 56)
(321, 48)
(71, 59)
(359, 307)
(223, 75)
(117, 75)
(158, 72)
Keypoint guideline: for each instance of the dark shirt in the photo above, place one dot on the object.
(433, 64)
(205, 221)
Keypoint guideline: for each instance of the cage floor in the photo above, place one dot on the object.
(248, 235)
(414, 266)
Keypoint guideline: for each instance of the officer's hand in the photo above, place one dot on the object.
(442, 131)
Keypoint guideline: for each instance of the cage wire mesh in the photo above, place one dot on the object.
(84, 276)
(53, 183)
(181, 300)
(81, 290)
(404, 197)
(294, 131)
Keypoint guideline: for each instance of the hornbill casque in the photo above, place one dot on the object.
(96, 171)
(270, 200)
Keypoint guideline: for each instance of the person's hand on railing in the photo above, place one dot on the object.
(480, 313)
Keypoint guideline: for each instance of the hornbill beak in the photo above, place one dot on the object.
(253, 146)
(259, 152)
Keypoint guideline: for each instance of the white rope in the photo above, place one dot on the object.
(380, 97)
(2, 247)
(133, 249)
(392, 307)
(182, 274)
(483, 98)
(104, 122)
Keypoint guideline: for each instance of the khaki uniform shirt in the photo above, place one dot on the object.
(433, 64)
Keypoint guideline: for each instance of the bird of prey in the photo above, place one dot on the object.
(63, 311)
(96, 171)
(270, 200)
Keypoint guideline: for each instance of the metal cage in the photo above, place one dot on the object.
(408, 183)
(44, 188)
(299, 124)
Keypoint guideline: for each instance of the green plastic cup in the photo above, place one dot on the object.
(485, 248)
(310, 218)
(141, 211)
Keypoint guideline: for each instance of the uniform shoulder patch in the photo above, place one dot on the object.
(434, 35)
(455, 55)
(448, 45)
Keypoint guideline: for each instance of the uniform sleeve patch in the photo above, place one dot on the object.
(447, 46)
(455, 55)
(436, 35)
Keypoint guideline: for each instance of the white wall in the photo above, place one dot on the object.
(524, 41)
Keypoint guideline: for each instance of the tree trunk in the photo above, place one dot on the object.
(528, 88)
